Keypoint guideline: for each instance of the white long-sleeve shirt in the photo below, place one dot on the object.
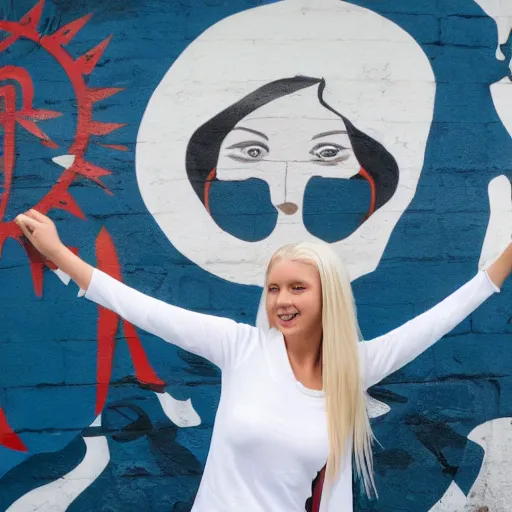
(270, 437)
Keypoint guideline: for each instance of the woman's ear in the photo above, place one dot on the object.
(499, 228)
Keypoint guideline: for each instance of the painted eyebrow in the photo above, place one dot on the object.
(246, 143)
(325, 134)
(256, 132)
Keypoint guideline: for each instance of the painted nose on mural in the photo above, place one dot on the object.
(290, 189)
(288, 208)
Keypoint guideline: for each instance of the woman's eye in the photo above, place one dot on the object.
(298, 288)
(248, 151)
(253, 152)
(329, 152)
(272, 289)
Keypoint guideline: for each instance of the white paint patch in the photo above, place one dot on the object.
(453, 500)
(66, 280)
(62, 276)
(65, 161)
(492, 489)
(376, 408)
(97, 421)
(57, 496)
(180, 412)
(501, 12)
(501, 93)
(493, 486)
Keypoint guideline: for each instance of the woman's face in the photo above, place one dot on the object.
(285, 143)
(294, 299)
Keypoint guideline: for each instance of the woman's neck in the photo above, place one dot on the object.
(305, 355)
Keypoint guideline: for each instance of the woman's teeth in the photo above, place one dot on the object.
(287, 317)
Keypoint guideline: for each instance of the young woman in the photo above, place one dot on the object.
(293, 397)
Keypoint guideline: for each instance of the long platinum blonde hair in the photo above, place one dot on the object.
(345, 397)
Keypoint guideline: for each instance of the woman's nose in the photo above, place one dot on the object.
(283, 299)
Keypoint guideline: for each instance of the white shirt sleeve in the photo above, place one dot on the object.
(222, 341)
(384, 355)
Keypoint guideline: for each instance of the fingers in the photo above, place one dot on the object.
(38, 216)
(21, 222)
(26, 231)
(25, 220)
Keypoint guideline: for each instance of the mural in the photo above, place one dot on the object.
(360, 134)
(178, 161)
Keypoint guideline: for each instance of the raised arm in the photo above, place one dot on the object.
(501, 268)
(220, 340)
(384, 355)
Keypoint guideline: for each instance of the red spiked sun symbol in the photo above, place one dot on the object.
(29, 118)
(75, 166)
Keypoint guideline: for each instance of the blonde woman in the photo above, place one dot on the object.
(293, 397)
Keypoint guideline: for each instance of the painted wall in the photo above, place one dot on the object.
(177, 144)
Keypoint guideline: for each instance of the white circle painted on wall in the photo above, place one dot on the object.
(286, 92)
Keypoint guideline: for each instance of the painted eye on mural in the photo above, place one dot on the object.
(248, 151)
(329, 153)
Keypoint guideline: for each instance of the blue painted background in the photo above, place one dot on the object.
(48, 347)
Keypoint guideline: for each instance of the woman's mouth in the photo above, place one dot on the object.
(287, 318)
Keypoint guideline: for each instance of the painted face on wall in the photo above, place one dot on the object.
(289, 137)
(285, 143)
(274, 143)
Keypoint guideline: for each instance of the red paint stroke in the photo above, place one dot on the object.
(26, 117)
(66, 33)
(97, 128)
(32, 18)
(8, 437)
(117, 147)
(368, 177)
(108, 324)
(207, 185)
(102, 93)
(90, 59)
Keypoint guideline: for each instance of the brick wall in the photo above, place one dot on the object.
(128, 144)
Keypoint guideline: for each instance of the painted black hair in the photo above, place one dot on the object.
(204, 146)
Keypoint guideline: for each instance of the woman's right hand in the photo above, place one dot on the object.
(41, 233)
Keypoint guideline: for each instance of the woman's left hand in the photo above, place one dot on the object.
(499, 228)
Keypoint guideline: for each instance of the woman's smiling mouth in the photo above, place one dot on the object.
(287, 318)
